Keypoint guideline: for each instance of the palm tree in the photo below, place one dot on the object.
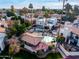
(31, 8)
(68, 8)
(25, 10)
(43, 8)
(12, 9)
(64, 1)
(30, 5)
(76, 10)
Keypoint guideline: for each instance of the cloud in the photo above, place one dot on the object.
(36, 3)
(10, 1)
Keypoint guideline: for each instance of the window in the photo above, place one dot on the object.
(50, 22)
(39, 26)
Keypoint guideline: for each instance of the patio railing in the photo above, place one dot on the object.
(65, 53)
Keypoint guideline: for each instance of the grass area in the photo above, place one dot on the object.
(28, 55)
(53, 56)
(25, 55)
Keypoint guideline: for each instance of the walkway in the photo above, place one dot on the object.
(45, 54)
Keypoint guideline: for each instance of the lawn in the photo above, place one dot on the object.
(28, 55)
(53, 56)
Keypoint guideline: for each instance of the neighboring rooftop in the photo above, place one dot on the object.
(74, 30)
(40, 46)
(30, 39)
(2, 30)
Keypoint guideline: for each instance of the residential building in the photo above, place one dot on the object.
(51, 22)
(2, 12)
(71, 45)
(33, 44)
(40, 23)
(76, 23)
(2, 37)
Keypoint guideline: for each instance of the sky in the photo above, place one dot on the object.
(51, 4)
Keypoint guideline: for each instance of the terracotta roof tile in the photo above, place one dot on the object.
(74, 30)
(30, 39)
(2, 30)
(41, 46)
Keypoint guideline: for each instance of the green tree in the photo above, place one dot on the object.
(51, 12)
(46, 14)
(31, 8)
(17, 29)
(10, 32)
(30, 5)
(24, 11)
(21, 20)
(12, 9)
(76, 10)
(9, 13)
(70, 17)
(68, 8)
(64, 1)
(14, 17)
(60, 39)
(58, 11)
(20, 29)
(43, 8)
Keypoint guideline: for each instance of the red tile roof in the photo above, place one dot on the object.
(2, 30)
(41, 46)
(30, 39)
(74, 30)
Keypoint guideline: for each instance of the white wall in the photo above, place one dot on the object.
(65, 32)
(29, 48)
(40, 22)
(78, 43)
(2, 35)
